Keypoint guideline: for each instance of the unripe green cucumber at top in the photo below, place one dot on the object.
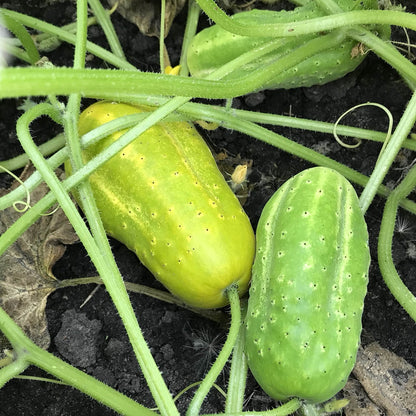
(213, 47)
(165, 199)
(308, 286)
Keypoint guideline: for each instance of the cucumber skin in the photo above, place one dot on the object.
(165, 199)
(309, 282)
(213, 47)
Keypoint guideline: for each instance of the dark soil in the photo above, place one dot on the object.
(182, 342)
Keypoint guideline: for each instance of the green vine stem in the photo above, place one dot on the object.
(315, 25)
(128, 121)
(383, 49)
(12, 370)
(238, 372)
(385, 259)
(47, 148)
(29, 353)
(389, 153)
(16, 82)
(215, 370)
(164, 296)
(110, 275)
(283, 410)
(261, 133)
(17, 228)
(61, 155)
(47, 42)
(66, 36)
(190, 30)
(104, 20)
(388, 52)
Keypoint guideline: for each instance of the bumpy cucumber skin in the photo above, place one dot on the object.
(308, 286)
(165, 199)
(213, 47)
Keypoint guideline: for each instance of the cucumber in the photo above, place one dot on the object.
(213, 47)
(165, 199)
(309, 281)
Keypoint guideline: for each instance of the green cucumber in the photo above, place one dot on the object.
(165, 199)
(309, 281)
(213, 47)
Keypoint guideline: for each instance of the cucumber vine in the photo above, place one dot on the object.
(173, 96)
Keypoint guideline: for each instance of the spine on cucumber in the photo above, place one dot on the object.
(308, 286)
(165, 199)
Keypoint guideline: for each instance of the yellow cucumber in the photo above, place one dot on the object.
(165, 199)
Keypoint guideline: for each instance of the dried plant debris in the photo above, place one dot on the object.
(359, 403)
(145, 14)
(389, 382)
(26, 278)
